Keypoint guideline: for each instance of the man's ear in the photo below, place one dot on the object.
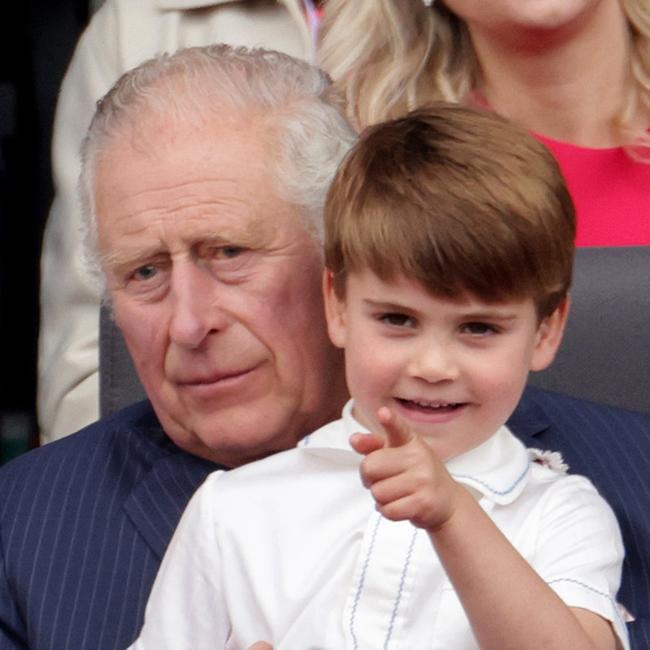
(334, 311)
(549, 336)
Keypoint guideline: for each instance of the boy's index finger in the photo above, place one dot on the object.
(396, 433)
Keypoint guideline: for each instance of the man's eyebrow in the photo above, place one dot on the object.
(228, 236)
(211, 239)
(136, 256)
(133, 257)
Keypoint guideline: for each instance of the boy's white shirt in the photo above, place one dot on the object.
(292, 551)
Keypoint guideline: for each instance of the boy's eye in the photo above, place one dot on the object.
(479, 329)
(397, 320)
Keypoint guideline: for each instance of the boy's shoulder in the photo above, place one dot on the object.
(611, 447)
(552, 480)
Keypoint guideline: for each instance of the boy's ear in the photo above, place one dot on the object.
(549, 336)
(334, 311)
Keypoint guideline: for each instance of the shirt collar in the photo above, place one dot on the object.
(497, 469)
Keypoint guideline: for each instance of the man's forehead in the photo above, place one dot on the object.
(194, 183)
(151, 128)
(210, 210)
(185, 168)
(244, 220)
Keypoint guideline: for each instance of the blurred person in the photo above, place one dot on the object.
(576, 73)
(121, 34)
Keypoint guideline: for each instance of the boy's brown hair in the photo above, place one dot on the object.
(458, 199)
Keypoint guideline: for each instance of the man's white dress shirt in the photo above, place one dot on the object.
(292, 551)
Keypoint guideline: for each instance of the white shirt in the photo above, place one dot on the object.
(292, 551)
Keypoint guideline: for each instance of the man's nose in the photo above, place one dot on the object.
(434, 361)
(195, 305)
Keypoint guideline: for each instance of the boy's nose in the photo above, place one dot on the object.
(434, 362)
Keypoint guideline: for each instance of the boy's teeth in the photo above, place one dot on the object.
(431, 405)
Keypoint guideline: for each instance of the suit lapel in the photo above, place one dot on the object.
(529, 419)
(156, 503)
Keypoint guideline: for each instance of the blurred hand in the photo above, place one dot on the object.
(261, 645)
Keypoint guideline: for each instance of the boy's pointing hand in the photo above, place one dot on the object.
(407, 480)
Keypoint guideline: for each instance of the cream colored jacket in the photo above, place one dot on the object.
(122, 34)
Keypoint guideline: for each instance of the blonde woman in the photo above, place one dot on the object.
(574, 72)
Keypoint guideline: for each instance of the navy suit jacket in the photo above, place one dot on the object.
(84, 522)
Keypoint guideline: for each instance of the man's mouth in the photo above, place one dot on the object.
(216, 377)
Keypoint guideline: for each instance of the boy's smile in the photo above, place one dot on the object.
(428, 410)
(453, 370)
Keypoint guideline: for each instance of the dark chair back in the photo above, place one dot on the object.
(119, 385)
(605, 355)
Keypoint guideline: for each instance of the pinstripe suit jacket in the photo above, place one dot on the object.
(84, 522)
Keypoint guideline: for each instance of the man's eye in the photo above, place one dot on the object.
(145, 272)
(397, 320)
(479, 329)
(227, 252)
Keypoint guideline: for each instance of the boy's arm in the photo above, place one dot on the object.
(506, 601)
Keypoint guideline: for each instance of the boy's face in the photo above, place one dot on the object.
(453, 370)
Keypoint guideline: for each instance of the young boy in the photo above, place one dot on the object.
(449, 249)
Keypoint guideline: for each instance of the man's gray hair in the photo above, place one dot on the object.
(303, 115)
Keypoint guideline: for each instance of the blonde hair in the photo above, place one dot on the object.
(390, 56)
(637, 99)
(458, 199)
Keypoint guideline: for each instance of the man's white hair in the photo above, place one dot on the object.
(303, 118)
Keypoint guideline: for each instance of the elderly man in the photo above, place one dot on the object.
(205, 175)
(121, 35)
(204, 179)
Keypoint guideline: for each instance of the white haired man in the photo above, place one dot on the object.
(121, 35)
(205, 173)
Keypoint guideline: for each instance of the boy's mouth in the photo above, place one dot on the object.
(428, 406)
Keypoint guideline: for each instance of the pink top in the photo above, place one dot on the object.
(611, 192)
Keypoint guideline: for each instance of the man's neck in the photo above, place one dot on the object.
(567, 85)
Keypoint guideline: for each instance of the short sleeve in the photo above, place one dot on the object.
(580, 551)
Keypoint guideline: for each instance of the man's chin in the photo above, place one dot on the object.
(230, 437)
